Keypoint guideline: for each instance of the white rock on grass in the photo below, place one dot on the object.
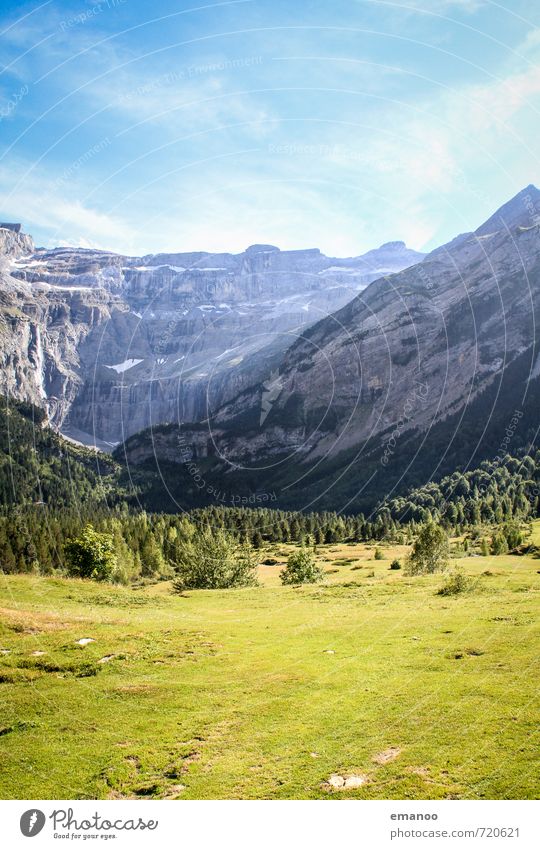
(355, 781)
(84, 641)
(349, 782)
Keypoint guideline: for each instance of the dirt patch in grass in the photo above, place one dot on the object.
(115, 794)
(116, 599)
(26, 622)
(179, 768)
(387, 756)
(174, 791)
(328, 592)
(424, 773)
(134, 690)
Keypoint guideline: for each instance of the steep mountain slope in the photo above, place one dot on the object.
(425, 364)
(38, 467)
(111, 344)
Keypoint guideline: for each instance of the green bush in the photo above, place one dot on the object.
(513, 535)
(430, 551)
(91, 555)
(457, 582)
(395, 564)
(378, 554)
(499, 544)
(302, 568)
(212, 560)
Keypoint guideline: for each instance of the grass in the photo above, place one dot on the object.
(266, 692)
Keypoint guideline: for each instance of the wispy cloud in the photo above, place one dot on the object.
(47, 207)
(531, 42)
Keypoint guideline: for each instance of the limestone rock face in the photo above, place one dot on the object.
(13, 242)
(110, 344)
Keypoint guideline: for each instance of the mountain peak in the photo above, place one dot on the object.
(523, 208)
(393, 246)
(13, 241)
(259, 249)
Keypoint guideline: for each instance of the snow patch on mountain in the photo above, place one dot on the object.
(120, 368)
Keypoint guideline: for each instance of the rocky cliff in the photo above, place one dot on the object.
(110, 344)
(13, 242)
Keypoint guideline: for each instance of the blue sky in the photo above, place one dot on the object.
(143, 127)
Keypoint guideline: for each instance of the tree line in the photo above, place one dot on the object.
(54, 493)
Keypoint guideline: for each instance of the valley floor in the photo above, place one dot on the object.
(267, 692)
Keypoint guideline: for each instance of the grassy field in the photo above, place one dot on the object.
(268, 692)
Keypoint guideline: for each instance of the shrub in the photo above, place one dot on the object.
(499, 544)
(152, 560)
(457, 582)
(513, 535)
(378, 554)
(302, 568)
(213, 559)
(395, 564)
(430, 550)
(91, 555)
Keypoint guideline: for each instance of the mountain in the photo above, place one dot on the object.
(427, 369)
(38, 467)
(110, 344)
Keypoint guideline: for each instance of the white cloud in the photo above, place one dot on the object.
(531, 42)
(178, 103)
(41, 204)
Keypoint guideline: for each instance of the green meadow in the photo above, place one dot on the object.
(269, 692)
